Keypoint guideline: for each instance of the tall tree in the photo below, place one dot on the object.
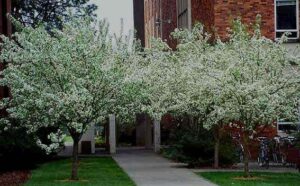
(51, 13)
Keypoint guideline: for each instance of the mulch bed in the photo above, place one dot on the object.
(14, 178)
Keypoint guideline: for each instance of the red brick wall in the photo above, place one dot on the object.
(203, 11)
(227, 10)
(217, 15)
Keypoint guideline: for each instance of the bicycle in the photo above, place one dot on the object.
(284, 145)
(263, 158)
(240, 149)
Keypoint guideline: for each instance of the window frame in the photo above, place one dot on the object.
(287, 30)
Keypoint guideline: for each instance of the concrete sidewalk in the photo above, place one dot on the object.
(149, 169)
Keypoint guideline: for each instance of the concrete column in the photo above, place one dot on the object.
(112, 134)
(156, 136)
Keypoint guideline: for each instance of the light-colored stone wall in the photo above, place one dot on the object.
(88, 136)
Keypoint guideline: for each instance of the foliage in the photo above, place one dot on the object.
(19, 152)
(100, 142)
(258, 82)
(248, 78)
(193, 144)
(68, 139)
(18, 148)
(93, 171)
(80, 76)
(50, 13)
(68, 80)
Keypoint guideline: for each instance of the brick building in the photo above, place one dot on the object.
(217, 15)
(6, 29)
(163, 16)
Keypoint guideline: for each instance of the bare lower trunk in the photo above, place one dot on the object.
(216, 153)
(245, 140)
(74, 175)
(217, 136)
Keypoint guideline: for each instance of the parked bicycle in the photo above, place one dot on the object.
(285, 144)
(240, 150)
(263, 156)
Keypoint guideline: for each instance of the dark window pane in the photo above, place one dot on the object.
(286, 14)
(291, 35)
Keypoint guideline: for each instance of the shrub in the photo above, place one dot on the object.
(19, 150)
(196, 147)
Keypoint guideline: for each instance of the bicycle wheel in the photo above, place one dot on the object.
(259, 162)
(267, 164)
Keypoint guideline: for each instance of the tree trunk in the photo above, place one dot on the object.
(74, 175)
(245, 140)
(216, 154)
(216, 147)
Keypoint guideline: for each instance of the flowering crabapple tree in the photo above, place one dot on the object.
(248, 79)
(258, 78)
(204, 99)
(176, 82)
(70, 80)
(156, 76)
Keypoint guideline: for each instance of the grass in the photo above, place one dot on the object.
(102, 171)
(68, 139)
(263, 178)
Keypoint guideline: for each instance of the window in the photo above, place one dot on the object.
(183, 13)
(287, 18)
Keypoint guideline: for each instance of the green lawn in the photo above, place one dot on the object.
(264, 179)
(92, 171)
(68, 139)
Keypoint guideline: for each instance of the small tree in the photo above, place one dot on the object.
(204, 99)
(248, 79)
(69, 80)
(179, 82)
(258, 78)
(156, 76)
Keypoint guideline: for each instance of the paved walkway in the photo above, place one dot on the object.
(149, 169)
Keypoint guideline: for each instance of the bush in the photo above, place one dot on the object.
(100, 142)
(18, 149)
(195, 146)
